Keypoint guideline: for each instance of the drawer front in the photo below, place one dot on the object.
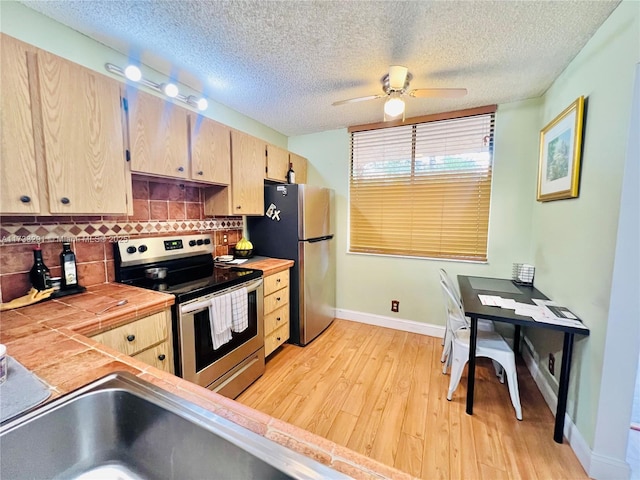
(159, 356)
(276, 300)
(136, 336)
(275, 319)
(276, 281)
(276, 338)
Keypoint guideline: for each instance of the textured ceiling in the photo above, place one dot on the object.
(283, 63)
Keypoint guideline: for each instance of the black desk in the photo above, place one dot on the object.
(470, 287)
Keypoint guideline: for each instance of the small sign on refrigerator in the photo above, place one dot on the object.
(272, 213)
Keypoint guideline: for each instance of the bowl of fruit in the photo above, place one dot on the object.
(243, 249)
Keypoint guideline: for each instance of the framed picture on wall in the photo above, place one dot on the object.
(560, 152)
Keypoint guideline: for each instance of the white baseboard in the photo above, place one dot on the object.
(597, 466)
(391, 322)
(605, 468)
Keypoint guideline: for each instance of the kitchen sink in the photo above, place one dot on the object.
(122, 427)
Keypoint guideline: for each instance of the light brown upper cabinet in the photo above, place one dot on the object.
(63, 143)
(210, 151)
(245, 195)
(83, 138)
(18, 181)
(277, 164)
(299, 167)
(158, 136)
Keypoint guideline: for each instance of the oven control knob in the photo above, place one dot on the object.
(207, 241)
(192, 243)
(142, 248)
(131, 249)
(200, 242)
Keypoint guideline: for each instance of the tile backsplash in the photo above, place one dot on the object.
(158, 209)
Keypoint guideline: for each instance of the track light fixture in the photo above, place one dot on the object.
(133, 73)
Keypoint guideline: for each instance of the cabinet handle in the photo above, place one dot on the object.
(277, 319)
(277, 299)
(239, 207)
(200, 172)
(277, 280)
(25, 198)
(65, 201)
(161, 357)
(278, 338)
(181, 169)
(131, 338)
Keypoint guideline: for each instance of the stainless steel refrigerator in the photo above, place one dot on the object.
(297, 226)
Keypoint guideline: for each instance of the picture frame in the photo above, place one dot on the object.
(560, 154)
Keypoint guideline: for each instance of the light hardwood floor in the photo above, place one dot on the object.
(381, 392)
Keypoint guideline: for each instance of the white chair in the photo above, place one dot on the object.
(489, 344)
(483, 325)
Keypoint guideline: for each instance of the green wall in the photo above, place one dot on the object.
(36, 29)
(571, 242)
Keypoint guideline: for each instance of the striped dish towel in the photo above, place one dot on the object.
(220, 320)
(240, 310)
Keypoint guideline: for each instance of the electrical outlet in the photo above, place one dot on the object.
(552, 364)
(395, 305)
(225, 239)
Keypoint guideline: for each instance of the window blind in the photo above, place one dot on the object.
(422, 189)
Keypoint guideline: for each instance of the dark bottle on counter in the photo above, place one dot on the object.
(39, 274)
(69, 277)
(291, 175)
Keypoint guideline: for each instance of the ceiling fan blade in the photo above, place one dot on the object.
(438, 92)
(397, 77)
(358, 99)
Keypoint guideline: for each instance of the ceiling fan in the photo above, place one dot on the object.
(395, 85)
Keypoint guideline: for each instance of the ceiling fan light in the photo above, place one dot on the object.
(394, 106)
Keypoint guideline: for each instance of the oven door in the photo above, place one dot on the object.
(238, 360)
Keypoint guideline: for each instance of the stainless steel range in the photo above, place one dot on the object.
(217, 318)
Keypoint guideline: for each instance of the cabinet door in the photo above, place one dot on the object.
(159, 356)
(83, 138)
(18, 180)
(210, 151)
(158, 136)
(277, 164)
(137, 336)
(299, 166)
(247, 174)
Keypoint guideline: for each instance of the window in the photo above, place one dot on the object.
(423, 189)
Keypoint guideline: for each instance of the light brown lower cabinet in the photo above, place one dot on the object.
(147, 339)
(276, 310)
(159, 356)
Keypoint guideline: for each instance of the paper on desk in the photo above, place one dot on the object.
(549, 315)
(490, 300)
(528, 310)
(496, 301)
(508, 303)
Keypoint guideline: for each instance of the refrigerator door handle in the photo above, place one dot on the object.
(319, 239)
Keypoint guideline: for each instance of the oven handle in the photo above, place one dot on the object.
(192, 307)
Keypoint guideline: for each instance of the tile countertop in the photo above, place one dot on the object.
(269, 266)
(50, 338)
